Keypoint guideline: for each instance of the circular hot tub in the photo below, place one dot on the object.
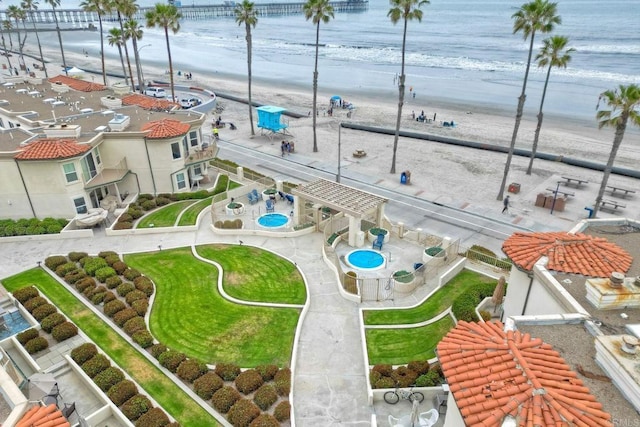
(365, 259)
(273, 220)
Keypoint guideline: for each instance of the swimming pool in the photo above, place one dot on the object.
(15, 323)
(273, 220)
(365, 259)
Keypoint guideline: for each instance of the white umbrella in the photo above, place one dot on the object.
(41, 385)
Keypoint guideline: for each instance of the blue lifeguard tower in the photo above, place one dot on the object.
(270, 120)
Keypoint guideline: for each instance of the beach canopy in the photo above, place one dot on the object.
(336, 98)
(74, 70)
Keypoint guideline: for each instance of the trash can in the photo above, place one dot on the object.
(405, 177)
(589, 211)
(514, 188)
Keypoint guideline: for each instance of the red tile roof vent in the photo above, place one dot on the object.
(165, 128)
(570, 253)
(494, 375)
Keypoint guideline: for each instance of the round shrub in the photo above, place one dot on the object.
(54, 261)
(162, 201)
(74, 276)
(25, 294)
(108, 297)
(121, 317)
(144, 196)
(148, 205)
(113, 282)
(419, 366)
(403, 376)
(83, 352)
(134, 325)
(102, 274)
(26, 336)
(265, 396)
(135, 407)
(35, 345)
(267, 371)
(282, 411)
(131, 273)
(430, 379)
(374, 377)
(140, 306)
(119, 267)
(112, 307)
(134, 296)
(94, 264)
(89, 290)
(97, 298)
(64, 331)
(122, 392)
(40, 312)
(108, 378)
(154, 417)
(51, 321)
(54, 228)
(227, 371)
(144, 284)
(224, 399)
(84, 260)
(171, 359)
(97, 290)
(143, 338)
(265, 420)
(157, 349)
(125, 288)
(207, 384)
(135, 213)
(385, 382)
(106, 254)
(77, 256)
(95, 365)
(385, 370)
(125, 217)
(242, 413)
(83, 284)
(66, 268)
(248, 381)
(191, 369)
(34, 303)
(282, 381)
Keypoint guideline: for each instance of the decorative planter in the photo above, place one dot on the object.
(405, 281)
(234, 208)
(269, 193)
(372, 234)
(350, 282)
(434, 255)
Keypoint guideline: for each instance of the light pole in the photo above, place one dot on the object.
(339, 144)
(555, 195)
(140, 67)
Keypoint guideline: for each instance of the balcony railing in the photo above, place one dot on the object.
(200, 154)
(109, 175)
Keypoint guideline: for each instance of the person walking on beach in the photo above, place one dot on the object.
(215, 133)
(505, 203)
(283, 147)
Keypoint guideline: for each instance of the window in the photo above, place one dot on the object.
(193, 137)
(96, 153)
(197, 169)
(175, 150)
(81, 205)
(70, 172)
(180, 181)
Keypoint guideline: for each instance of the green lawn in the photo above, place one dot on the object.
(433, 306)
(401, 346)
(253, 274)
(186, 411)
(190, 214)
(233, 184)
(189, 314)
(165, 216)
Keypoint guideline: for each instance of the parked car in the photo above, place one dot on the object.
(156, 92)
(189, 102)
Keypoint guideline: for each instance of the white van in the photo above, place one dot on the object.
(156, 92)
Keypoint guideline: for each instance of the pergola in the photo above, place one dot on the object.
(354, 203)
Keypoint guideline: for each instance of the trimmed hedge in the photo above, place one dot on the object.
(227, 371)
(77, 256)
(134, 325)
(112, 307)
(107, 254)
(125, 288)
(267, 371)
(265, 396)
(51, 321)
(265, 420)
(207, 384)
(36, 344)
(83, 352)
(94, 264)
(113, 282)
(157, 349)
(64, 331)
(54, 261)
(74, 276)
(119, 267)
(109, 296)
(95, 365)
(104, 273)
(66, 268)
(225, 398)
(144, 284)
(122, 392)
(282, 412)
(34, 303)
(25, 294)
(135, 407)
(131, 273)
(121, 317)
(191, 369)
(154, 417)
(87, 282)
(140, 306)
(464, 307)
(143, 338)
(171, 359)
(243, 412)
(134, 296)
(108, 378)
(248, 381)
(283, 381)
(40, 312)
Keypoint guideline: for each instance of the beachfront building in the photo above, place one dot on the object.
(66, 144)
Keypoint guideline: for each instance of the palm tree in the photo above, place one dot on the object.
(6, 25)
(30, 6)
(15, 13)
(126, 8)
(554, 53)
(538, 15)
(246, 14)
(318, 11)
(407, 10)
(133, 31)
(100, 7)
(165, 16)
(115, 38)
(54, 4)
(624, 104)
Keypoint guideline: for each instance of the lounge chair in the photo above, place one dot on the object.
(255, 193)
(270, 205)
(429, 418)
(252, 198)
(282, 195)
(289, 198)
(379, 241)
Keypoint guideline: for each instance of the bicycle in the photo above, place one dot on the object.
(398, 394)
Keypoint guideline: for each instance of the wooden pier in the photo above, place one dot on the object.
(80, 18)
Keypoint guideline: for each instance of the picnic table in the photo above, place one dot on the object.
(569, 180)
(611, 205)
(614, 190)
(566, 193)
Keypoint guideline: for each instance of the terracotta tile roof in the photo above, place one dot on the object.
(570, 253)
(165, 128)
(45, 415)
(51, 149)
(78, 84)
(493, 373)
(148, 102)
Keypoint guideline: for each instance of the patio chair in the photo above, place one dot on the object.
(429, 418)
(282, 195)
(379, 241)
(270, 205)
(289, 198)
(255, 194)
(252, 198)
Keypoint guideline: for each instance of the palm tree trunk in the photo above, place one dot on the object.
(173, 93)
(126, 52)
(521, 100)
(137, 60)
(104, 70)
(534, 148)
(4, 46)
(400, 100)
(617, 140)
(21, 58)
(315, 91)
(39, 46)
(64, 62)
(248, 28)
(124, 71)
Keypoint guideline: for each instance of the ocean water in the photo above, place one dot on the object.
(463, 51)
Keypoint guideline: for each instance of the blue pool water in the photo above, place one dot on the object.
(365, 259)
(273, 220)
(15, 323)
